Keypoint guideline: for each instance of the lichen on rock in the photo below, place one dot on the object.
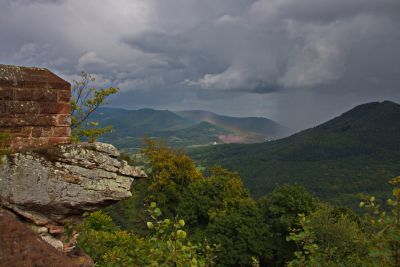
(54, 184)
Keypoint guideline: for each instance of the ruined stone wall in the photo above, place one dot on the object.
(34, 107)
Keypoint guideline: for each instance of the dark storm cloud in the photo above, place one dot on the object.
(268, 57)
(276, 44)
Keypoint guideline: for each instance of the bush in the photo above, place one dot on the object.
(165, 245)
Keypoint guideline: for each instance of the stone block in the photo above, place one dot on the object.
(44, 120)
(11, 130)
(63, 120)
(19, 143)
(61, 131)
(6, 93)
(64, 96)
(58, 140)
(23, 94)
(42, 131)
(25, 132)
(44, 95)
(21, 107)
(34, 107)
(28, 120)
(55, 108)
(3, 109)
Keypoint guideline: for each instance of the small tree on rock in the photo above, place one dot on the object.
(86, 99)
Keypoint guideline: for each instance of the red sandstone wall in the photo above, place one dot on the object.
(34, 107)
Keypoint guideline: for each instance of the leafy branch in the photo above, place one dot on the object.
(86, 99)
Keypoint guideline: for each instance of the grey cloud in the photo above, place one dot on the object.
(158, 42)
(275, 44)
(327, 11)
(259, 55)
(33, 2)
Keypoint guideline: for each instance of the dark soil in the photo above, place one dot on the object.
(21, 247)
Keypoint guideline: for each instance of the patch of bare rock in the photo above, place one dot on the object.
(44, 188)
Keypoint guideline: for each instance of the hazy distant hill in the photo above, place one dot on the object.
(181, 129)
(358, 151)
(140, 122)
(255, 128)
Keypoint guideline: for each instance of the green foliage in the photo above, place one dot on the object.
(5, 138)
(216, 209)
(383, 225)
(177, 250)
(241, 234)
(128, 158)
(165, 245)
(280, 210)
(328, 237)
(220, 209)
(204, 199)
(331, 237)
(353, 153)
(86, 99)
(130, 213)
(170, 171)
(91, 132)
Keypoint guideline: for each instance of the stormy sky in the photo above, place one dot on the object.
(299, 62)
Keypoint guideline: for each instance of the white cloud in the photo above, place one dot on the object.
(92, 63)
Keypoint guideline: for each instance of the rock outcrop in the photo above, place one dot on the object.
(47, 181)
(48, 186)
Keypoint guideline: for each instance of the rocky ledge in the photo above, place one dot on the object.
(51, 185)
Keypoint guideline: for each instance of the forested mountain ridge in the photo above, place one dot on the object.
(357, 152)
(256, 125)
(181, 129)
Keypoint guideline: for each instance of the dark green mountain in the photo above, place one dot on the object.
(178, 130)
(357, 152)
(140, 122)
(130, 126)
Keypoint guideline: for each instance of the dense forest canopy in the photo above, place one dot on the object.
(208, 218)
(353, 153)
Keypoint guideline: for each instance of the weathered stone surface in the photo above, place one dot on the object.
(54, 242)
(55, 229)
(53, 184)
(39, 229)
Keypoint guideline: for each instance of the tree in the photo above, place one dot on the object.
(86, 99)
(329, 236)
(280, 210)
(203, 199)
(240, 234)
(383, 227)
(170, 171)
(221, 210)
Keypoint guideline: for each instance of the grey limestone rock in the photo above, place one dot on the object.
(56, 183)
